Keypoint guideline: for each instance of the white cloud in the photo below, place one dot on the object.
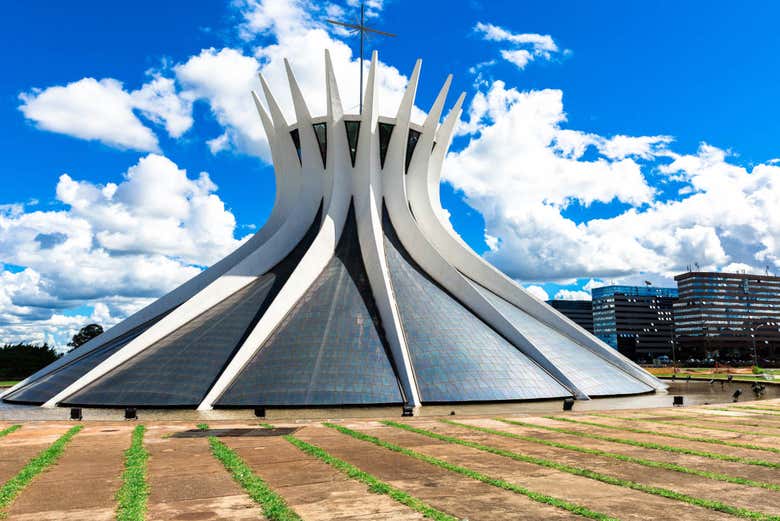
(114, 244)
(522, 170)
(538, 292)
(567, 294)
(526, 47)
(103, 110)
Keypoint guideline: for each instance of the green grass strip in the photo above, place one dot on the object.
(765, 410)
(597, 476)
(35, 466)
(496, 482)
(374, 485)
(622, 457)
(642, 444)
(689, 425)
(132, 495)
(729, 420)
(273, 505)
(700, 439)
(9, 430)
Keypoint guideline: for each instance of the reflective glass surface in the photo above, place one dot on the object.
(589, 372)
(48, 386)
(411, 144)
(385, 132)
(456, 356)
(353, 131)
(321, 131)
(329, 350)
(178, 370)
(296, 137)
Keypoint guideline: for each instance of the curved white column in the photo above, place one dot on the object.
(367, 187)
(322, 248)
(418, 246)
(423, 192)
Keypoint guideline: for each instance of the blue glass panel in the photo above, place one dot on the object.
(329, 350)
(589, 372)
(456, 356)
(178, 370)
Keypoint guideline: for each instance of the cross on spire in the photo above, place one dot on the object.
(363, 30)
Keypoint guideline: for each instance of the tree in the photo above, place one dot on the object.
(19, 361)
(84, 335)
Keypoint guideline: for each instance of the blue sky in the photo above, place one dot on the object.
(600, 141)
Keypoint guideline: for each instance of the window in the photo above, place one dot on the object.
(296, 137)
(385, 131)
(353, 131)
(411, 143)
(321, 132)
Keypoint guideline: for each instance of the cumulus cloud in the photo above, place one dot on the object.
(567, 294)
(538, 292)
(522, 170)
(524, 47)
(104, 111)
(116, 244)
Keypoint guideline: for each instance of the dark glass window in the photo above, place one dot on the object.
(385, 132)
(411, 143)
(178, 370)
(321, 131)
(48, 386)
(296, 137)
(353, 131)
(455, 355)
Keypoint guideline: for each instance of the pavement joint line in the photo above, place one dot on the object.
(645, 444)
(683, 424)
(700, 439)
(274, 507)
(375, 485)
(9, 430)
(597, 476)
(464, 471)
(622, 457)
(47, 457)
(132, 496)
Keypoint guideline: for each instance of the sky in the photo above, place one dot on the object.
(600, 142)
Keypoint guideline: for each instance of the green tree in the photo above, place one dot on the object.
(19, 361)
(84, 335)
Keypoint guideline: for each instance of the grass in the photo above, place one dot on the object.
(646, 444)
(132, 495)
(766, 410)
(683, 424)
(496, 482)
(9, 430)
(375, 485)
(8, 383)
(203, 426)
(701, 439)
(273, 505)
(35, 466)
(729, 420)
(597, 476)
(622, 457)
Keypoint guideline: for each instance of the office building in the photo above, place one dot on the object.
(580, 311)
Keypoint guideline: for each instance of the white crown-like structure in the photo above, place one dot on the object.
(355, 292)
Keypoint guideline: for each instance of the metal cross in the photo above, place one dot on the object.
(363, 30)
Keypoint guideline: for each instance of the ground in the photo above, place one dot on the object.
(704, 462)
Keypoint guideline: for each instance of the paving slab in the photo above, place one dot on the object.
(94, 459)
(17, 448)
(187, 483)
(617, 501)
(697, 486)
(314, 489)
(729, 468)
(453, 493)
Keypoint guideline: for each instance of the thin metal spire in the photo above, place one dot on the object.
(363, 30)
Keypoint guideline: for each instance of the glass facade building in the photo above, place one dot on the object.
(638, 321)
(734, 317)
(579, 311)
